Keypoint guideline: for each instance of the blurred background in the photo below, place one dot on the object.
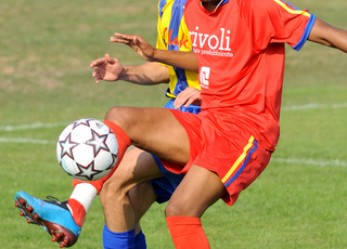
(46, 82)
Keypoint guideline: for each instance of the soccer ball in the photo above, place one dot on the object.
(87, 149)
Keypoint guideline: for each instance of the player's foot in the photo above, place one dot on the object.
(52, 215)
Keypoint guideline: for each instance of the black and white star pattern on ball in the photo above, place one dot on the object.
(84, 122)
(88, 172)
(98, 142)
(67, 146)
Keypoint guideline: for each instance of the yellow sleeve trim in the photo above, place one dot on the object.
(292, 11)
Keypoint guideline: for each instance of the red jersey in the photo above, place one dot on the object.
(240, 49)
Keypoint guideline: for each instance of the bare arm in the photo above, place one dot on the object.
(148, 73)
(110, 69)
(328, 35)
(184, 60)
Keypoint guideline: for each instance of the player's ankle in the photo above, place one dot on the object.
(77, 211)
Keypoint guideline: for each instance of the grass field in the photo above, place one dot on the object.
(45, 48)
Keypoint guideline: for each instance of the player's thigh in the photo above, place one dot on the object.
(153, 129)
(199, 189)
(137, 166)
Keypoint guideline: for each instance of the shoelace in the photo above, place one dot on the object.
(55, 200)
(52, 198)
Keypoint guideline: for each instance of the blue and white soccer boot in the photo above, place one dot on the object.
(52, 215)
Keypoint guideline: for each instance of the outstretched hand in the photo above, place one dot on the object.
(106, 68)
(137, 43)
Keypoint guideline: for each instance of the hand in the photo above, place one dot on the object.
(106, 68)
(137, 43)
(187, 97)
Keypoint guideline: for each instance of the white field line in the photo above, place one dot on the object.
(25, 141)
(311, 162)
(312, 106)
(304, 161)
(40, 125)
(31, 126)
(291, 161)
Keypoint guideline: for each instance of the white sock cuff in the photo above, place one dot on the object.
(84, 193)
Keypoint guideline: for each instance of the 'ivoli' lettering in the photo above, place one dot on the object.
(219, 41)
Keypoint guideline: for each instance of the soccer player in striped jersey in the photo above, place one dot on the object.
(239, 51)
(129, 185)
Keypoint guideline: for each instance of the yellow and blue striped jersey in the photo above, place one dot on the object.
(173, 34)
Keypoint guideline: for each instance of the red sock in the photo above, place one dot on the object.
(78, 212)
(187, 232)
(123, 144)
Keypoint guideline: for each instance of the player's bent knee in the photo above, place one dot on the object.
(125, 117)
(117, 115)
(112, 191)
(175, 210)
(114, 188)
(184, 208)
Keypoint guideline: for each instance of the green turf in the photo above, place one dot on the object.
(45, 49)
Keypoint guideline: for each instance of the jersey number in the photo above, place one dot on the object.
(205, 76)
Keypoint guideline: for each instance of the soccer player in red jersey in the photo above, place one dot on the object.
(239, 52)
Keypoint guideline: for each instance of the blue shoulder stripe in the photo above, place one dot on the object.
(175, 23)
(162, 3)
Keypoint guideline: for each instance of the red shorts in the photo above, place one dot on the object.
(218, 144)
